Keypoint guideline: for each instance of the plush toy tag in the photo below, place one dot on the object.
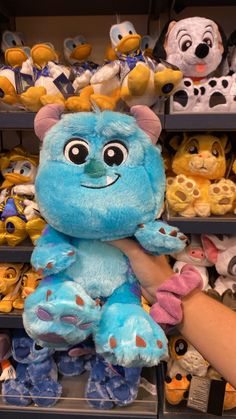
(206, 395)
(23, 82)
(64, 85)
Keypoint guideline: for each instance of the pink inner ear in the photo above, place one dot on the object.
(210, 249)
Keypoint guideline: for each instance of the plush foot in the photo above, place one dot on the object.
(59, 313)
(181, 193)
(18, 304)
(104, 102)
(46, 393)
(5, 306)
(222, 196)
(166, 81)
(15, 393)
(78, 104)
(159, 238)
(132, 339)
(35, 228)
(138, 79)
(15, 230)
(8, 92)
(176, 388)
(51, 99)
(31, 99)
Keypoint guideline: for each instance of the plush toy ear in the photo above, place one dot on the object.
(148, 121)
(175, 142)
(232, 39)
(225, 143)
(210, 249)
(46, 117)
(159, 48)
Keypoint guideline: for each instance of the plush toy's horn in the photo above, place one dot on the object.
(148, 121)
(48, 116)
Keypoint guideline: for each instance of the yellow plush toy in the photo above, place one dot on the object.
(9, 279)
(199, 160)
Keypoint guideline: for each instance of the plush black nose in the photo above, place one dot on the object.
(202, 50)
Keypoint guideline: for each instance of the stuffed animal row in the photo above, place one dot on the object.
(34, 77)
(19, 213)
(198, 46)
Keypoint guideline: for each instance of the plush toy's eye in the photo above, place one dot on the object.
(193, 149)
(208, 41)
(185, 42)
(38, 347)
(10, 273)
(115, 153)
(76, 151)
(181, 347)
(130, 32)
(25, 169)
(120, 36)
(232, 266)
(215, 150)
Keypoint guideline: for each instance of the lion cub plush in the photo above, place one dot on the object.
(199, 160)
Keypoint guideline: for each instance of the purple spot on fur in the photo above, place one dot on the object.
(69, 319)
(43, 314)
(85, 326)
(52, 338)
(45, 231)
(135, 289)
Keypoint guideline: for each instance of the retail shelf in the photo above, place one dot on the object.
(203, 225)
(183, 412)
(11, 320)
(73, 403)
(20, 253)
(77, 8)
(16, 120)
(179, 5)
(197, 122)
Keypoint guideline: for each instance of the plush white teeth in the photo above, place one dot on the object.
(109, 180)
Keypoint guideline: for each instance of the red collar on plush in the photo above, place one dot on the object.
(197, 79)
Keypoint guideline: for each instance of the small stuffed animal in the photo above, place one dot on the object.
(113, 181)
(36, 374)
(19, 212)
(198, 46)
(15, 54)
(77, 52)
(195, 255)
(7, 370)
(184, 362)
(200, 159)
(10, 285)
(221, 250)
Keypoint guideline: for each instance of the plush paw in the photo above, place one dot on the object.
(15, 393)
(185, 97)
(31, 99)
(181, 193)
(52, 99)
(131, 339)
(103, 102)
(78, 104)
(138, 79)
(215, 95)
(60, 314)
(222, 195)
(46, 393)
(176, 388)
(50, 260)
(159, 238)
(166, 81)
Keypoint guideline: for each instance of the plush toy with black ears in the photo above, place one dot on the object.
(112, 176)
(198, 46)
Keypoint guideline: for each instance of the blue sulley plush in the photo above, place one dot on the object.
(100, 178)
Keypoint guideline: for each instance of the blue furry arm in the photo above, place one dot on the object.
(53, 252)
(160, 238)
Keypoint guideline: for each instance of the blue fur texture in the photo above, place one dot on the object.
(36, 374)
(99, 178)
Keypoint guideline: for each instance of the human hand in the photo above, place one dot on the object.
(150, 270)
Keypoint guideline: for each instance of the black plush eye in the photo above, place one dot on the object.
(115, 153)
(130, 32)
(193, 149)
(208, 41)
(186, 45)
(181, 347)
(13, 42)
(76, 151)
(37, 347)
(120, 36)
(232, 266)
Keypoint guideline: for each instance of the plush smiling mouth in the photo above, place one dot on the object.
(109, 182)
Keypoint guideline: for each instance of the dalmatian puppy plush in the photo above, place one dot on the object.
(198, 47)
